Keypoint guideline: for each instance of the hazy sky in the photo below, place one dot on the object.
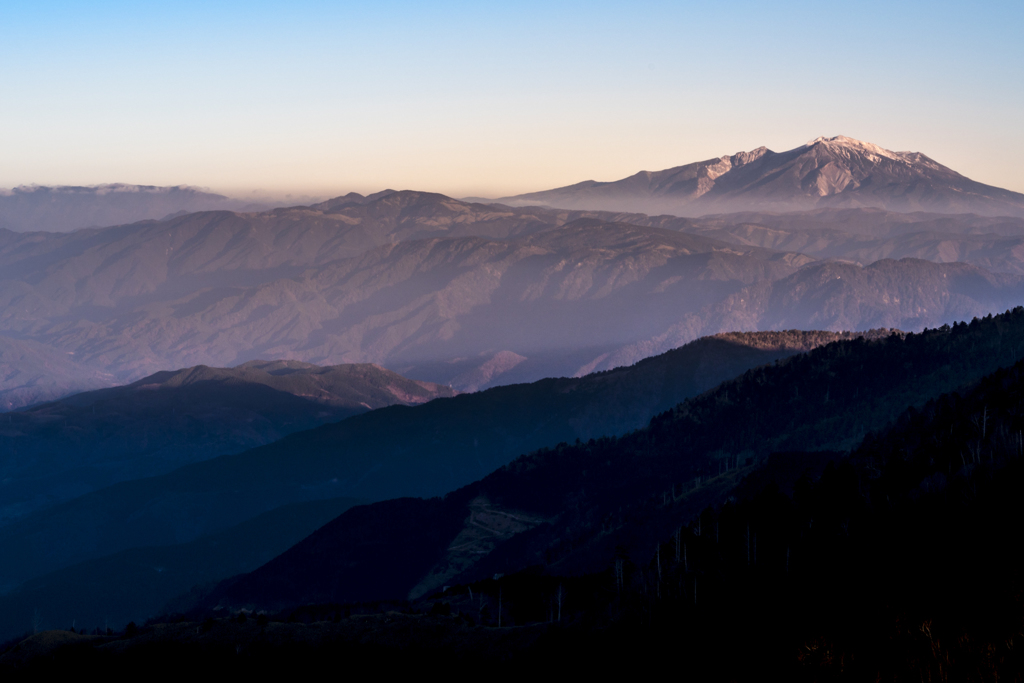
(476, 98)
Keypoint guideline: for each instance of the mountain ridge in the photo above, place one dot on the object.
(585, 505)
(837, 172)
(414, 281)
(422, 450)
(91, 440)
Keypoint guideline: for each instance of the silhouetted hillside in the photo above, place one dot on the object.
(897, 562)
(581, 504)
(425, 450)
(136, 584)
(86, 442)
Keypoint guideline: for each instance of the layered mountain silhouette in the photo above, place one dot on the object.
(834, 172)
(424, 450)
(574, 509)
(134, 584)
(721, 529)
(68, 448)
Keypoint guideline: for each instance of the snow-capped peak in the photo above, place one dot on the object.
(852, 145)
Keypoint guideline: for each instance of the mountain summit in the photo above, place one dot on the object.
(825, 172)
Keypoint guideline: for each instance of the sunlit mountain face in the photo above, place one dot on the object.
(826, 172)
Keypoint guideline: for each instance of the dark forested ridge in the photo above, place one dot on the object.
(897, 561)
(582, 503)
(67, 448)
(137, 583)
(426, 450)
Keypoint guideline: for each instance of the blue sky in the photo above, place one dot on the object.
(466, 98)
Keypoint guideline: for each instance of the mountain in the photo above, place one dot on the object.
(832, 172)
(67, 448)
(31, 373)
(894, 562)
(864, 236)
(395, 280)
(447, 291)
(423, 450)
(908, 294)
(136, 584)
(465, 294)
(64, 208)
(573, 509)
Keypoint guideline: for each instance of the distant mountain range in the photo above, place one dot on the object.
(64, 208)
(403, 279)
(826, 172)
(476, 295)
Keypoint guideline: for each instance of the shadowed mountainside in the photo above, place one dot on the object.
(583, 505)
(397, 451)
(135, 584)
(896, 562)
(68, 448)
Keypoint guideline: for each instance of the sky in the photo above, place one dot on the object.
(491, 99)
